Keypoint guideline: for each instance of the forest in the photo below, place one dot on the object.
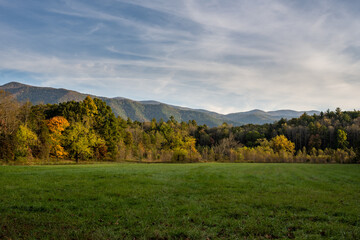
(88, 131)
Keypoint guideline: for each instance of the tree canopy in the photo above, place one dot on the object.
(89, 131)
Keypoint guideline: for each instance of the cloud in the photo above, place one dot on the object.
(96, 28)
(220, 55)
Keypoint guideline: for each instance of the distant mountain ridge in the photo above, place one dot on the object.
(147, 110)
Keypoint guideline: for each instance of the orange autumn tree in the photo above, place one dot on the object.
(56, 126)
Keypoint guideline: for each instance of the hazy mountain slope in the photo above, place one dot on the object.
(38, 95)
(125, 108)
(291, 113)
(147, 110)
(254, 116)
(260, 117)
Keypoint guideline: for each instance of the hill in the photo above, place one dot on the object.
(146, 110)
(260, 117)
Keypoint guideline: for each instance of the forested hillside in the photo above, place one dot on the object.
(88, 130)
(144, 111)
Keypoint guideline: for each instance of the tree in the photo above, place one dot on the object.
(342, 139)
(222, 149)
(338, 111)
(251, 137)
(314, 141)
(281, 143)
(9, 112)
(128, 139)
(107, 126)
(81, 141)
(9, 123)
(56, 126)
(190, 146)
(25, 139)
(89, 107)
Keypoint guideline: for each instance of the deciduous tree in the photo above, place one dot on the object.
(56, 126)
(281, 143)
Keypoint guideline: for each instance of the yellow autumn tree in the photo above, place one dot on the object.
(281, 143)
(186, 150)
(56, 126)
(190, 145)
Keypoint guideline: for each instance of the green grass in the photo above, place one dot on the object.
(174, 201)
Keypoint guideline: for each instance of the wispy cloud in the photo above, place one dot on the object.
(219, 55)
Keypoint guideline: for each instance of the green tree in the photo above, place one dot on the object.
(342, 139)
(251, 137)
(81, 141)
(25, 139)
(107, 126)
(128, 139)
(89, 107)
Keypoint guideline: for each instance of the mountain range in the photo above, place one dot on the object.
(147, 110)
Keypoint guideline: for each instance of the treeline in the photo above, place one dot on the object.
(89, 131)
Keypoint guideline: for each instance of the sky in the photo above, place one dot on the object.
(220, 55)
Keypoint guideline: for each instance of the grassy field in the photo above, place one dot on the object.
(173, 201)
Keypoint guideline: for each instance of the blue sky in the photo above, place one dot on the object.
(220, 55)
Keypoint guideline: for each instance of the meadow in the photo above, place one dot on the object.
(180, 201)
